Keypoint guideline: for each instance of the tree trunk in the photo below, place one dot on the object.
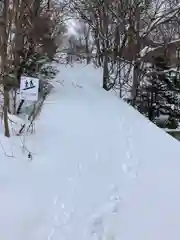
(88, 57)
(6, 104)
(14, 101)
(136, 80)
(136, 42)
(105, 72)
(105, 43)
(4, 40)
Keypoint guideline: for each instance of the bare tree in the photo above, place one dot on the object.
(27, 27)
(122, 30)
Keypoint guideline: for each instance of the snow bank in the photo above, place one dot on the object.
(100, 170)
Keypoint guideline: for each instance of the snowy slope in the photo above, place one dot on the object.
(100, 170)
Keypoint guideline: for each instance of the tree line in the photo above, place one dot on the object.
(30, 33)
(137, 44)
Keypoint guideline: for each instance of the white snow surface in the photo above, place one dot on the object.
(100, 170)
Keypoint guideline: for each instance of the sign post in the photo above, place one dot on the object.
(29, 89)
(25, 127)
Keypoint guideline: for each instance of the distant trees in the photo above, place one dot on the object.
(121, 29)
(129, 36)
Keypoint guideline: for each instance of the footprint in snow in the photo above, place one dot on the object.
(75, 85)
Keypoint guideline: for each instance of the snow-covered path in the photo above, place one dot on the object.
(79, 160)
(93, 173)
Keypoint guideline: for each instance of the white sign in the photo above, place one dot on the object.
(29, 88)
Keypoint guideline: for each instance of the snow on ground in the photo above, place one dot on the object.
(15, 123)
(100, 170)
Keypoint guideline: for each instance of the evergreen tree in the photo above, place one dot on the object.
(159, 94)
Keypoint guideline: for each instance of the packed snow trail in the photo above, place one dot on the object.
(100, 170)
